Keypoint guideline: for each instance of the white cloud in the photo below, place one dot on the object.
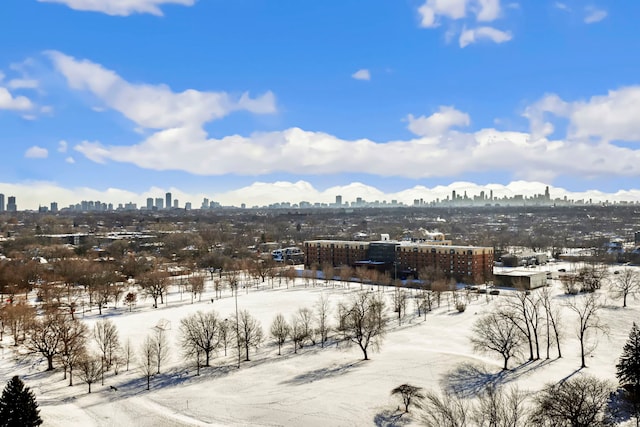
(156, 106)
(70, 160)
(594, 15)
(438, 123)
(22, 84)
(362, 74)
(608, 117)
(2, 76)
(121, 7)
(562, 6)
(474, 35)
(9, 102)
(63, 146)
(36, 152)
(489, 10)
(435, 12)
(432, 9)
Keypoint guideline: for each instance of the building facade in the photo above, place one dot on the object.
(404, 259)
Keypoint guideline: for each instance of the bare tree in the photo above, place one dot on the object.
(496, 333)
(552, 322)
(154, 284)
(160, 347)
(446, 409)
(127, 353)
(524, 311)
(624, 284)
(18, 317)
(73, 339)
(592, 276)
(364, 322)
(577, 402)
(196, 286)
(44, 336)
(224, 334)
(408, 393)
(498, 408)
(306, 320)
(322, 316)
(90, 369)
(105, 334)
(399, 303)
(298, 333)
(200, 335)
(250, 333)
(587, 308)
(147, 358)
(280, 330)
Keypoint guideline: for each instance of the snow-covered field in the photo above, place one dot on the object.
(329, 386)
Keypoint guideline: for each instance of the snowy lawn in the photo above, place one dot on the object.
(317, 386)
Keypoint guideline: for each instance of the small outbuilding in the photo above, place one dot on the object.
(520, 279)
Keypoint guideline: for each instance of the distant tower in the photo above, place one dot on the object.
(167, 200)
(490, 194)
(1, 202)
(176, 204)
(547, 196)
(150, 203)
(11, 204)
(159, 203)
(338, 200)
(453, 194)
(54, 207)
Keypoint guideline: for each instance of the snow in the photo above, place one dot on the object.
(317, 386)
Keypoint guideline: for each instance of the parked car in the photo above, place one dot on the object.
(494, 292)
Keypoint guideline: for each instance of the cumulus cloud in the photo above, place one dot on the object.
(362, 74)
(434, 13)
(178, 141)
(562, 6)
(474, 35)
(594, 15)
(488, 10)
(438, 123)
(156, 106)
(121, 7)
(70, 160)
(63, 146)
(608, 117)
(431, 10)
(36, 152)
(10, 102)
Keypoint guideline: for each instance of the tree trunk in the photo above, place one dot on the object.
(50, 363)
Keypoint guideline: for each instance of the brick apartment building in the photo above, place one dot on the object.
(464, 263)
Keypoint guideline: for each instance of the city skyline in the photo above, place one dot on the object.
(458, 194)
(267, 102)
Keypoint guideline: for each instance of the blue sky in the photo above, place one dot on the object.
(118, 100)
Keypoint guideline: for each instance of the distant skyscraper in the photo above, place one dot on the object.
(11, 204)
(54, 207)
(159, 203)
(205, 203)
(339, 200)
(547, 196)
(150, 203)
(187, 206)
(176, 204)
(1, 202)
(167, 200)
